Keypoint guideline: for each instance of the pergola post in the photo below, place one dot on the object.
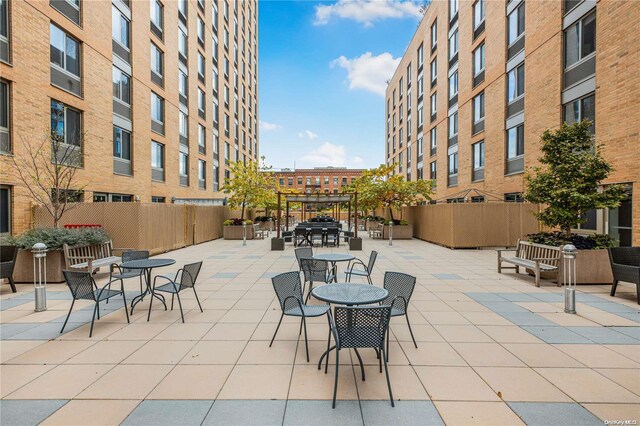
(355, 217)
(349, 216)
(286, 219)
(279, 215)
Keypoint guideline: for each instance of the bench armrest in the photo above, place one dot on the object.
(542, 259)
(82, 257)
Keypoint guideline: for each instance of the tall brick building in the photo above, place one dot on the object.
(164, 91)
(326, 180)
(481, 80)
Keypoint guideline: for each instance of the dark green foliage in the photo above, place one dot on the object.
(581, 242)
(55, 238)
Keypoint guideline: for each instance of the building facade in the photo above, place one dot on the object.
(481, 80)
(326, 180)
(158, 96)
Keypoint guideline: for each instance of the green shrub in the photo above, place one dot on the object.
(236, 222)
(55, 238)
(581, 242)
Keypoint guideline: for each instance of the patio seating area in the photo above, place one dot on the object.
(482, 347)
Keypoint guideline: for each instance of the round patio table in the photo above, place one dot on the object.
(350, 295)
(333, 258)
(147, 265)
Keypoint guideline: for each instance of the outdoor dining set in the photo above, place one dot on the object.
(361, 313)
(317, 233)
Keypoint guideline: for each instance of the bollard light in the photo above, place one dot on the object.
(391, 233)
(244, 233)
(39, 251)
(569, 253)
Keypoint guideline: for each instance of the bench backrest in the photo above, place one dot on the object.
(96, 251)
(530, 251)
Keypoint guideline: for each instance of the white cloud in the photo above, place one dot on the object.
(357, 161)
(368, 72)
(308, 134)
(367, 12)
(264, 125)
(326, 154)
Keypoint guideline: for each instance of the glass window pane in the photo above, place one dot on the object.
(520, 80)
(4, 104)
(572, 45)
(57, 42)
(72, 57)
(588, 35)
(513, 26)
(72, 127)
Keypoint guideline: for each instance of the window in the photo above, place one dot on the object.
(121, 86)
(581, 109)
(226, 151)
(433, 169)
(453, 84)
(326, 180)
(64, 51)
(434, 70)
(478, 155)
(200, 31)
(478, 60)
(155, 199)
(121, 144)
(420, 56)
(453, 124)
(226, 125)
(401, 86)
(201, 101)
(201, 66)
(433, 134)
(184, 164)
(434, 35)
(184, 124)
(478, 13)
(453, 44)
(183, 44)
(299, 180)
(202, 174)
(420, 86)
(478, 108)
(290, 181)
(420, 147)
(66, 123)
(515, 83)
(514, 197)
(182, 7)
(202, 136)
(119, 27)
(157, 12)
(515, 142)
(420, 117)
(434, 103)
(453, 8)
(157, 108)
(516, 24)
(4, 30)
(156, 60)
(308, 181)
(5, 209)
(580, 40)
(408, 76)
(453, 164)
(157, 155)
(5, 117)
(183, 84)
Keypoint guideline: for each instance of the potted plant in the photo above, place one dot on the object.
(54, 239)
(402, 230)
(233, 229)
(567, 184)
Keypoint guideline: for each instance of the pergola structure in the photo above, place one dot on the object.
(304, 199)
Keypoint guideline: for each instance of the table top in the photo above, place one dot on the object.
(147, 263)
(349, 294)
(334, 257)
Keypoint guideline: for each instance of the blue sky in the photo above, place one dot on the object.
(323, 67)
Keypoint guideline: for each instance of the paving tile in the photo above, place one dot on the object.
(629, 331)
(540, 355)
(556, 334)
(633, 316)
(405, 384)
(447, 276)
(486, 297)
(9, 330)
(455, 384)
(462, 333)
(168, 413)
(27, 412)
(107, 352)
(431, 353)
(477, 413)
(518, 297)
(52, 352)
(126, 382)
(520, 384)
(526, 318)
(596, 356)
(246, 412)
(62, 382)
(47, 331)
(259, 352)
(319, 413)
(307, 382)
(11, 303)
(267, 382)
(614, 412)
(404, 413)
(604, 335)
(13, 377)
(503, 307)
(509, 334)
(548, 413)
(548, 297)
(92, 412)
(10, 349)
(586, 385)
(214, 352)
(226, 275)
(160, 352)
(230, 331)
(625, 377)
(486, 354)
(192, 382)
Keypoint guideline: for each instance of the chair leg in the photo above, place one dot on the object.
(369, 279)
(172, 297)
(277, 328)
(150, 303)
(98, 308)
(379, 359)
(614, 287)
(197, 299)
(124, 299)
(93, 318)
(360, 361)
(306, 341)
(386, 354)
(406, 314)
(141, 290)
(326, 365)
(109, 288)
(68, 315)
(180, 305)
(12, 284)
(335, 385)
(309, 293)
(386, 370)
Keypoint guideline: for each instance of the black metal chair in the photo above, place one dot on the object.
(288, 289)
(366, 270)
(400, 287)
(625, 265)
(360, 327)
(185, 278)
(8, 256)
(333, 237)
(83, 286)
(315, 271)
(124, 273)
(299, 236)
(302, 252)
(317, 234)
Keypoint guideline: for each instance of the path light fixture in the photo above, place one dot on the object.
(391, 233)
(569, 253)
(244, 233)
(39, 252)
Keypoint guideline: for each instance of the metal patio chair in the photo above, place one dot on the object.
(400, 287)
(124, 273)
(302, 252)
(315, 271)
(625, 265)
(8, 256)
(366, 270)
(288, 288)
(83, 286)
(183, 279)
(360, 327)
(332, 237)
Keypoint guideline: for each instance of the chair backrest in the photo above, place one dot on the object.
(189, 278)
(288, 289)
(314, 270)
(400, 287)
(372, 261)
(303, 252)
(81, 284)
(129, 255)
(625, 255)
(8, 253)
(361, 327)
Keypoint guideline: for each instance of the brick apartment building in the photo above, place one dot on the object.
(481, 80)
(326, 180)
(164, 91)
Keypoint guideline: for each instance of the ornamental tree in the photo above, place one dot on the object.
(568, 182)
(250, 186)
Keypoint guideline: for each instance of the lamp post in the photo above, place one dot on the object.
(244, 233)
(569, 253)
(39, 251)
(391, 233)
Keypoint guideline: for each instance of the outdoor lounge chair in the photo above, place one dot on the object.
(625, 265)
(366, 269)
(181, 280)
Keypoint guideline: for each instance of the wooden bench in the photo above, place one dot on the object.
(537, 257)
(375, 230)
(89, 257)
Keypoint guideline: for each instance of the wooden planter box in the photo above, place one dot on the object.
(592, 267)
(23, 271)
(400, 232)
(234, 232)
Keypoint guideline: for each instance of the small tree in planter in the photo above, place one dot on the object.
(250, 186)
(568, 182)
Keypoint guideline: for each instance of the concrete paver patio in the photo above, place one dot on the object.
(492, 348)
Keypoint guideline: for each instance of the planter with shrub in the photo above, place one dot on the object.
(402, 230)
(265, 222)
(232, 229)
